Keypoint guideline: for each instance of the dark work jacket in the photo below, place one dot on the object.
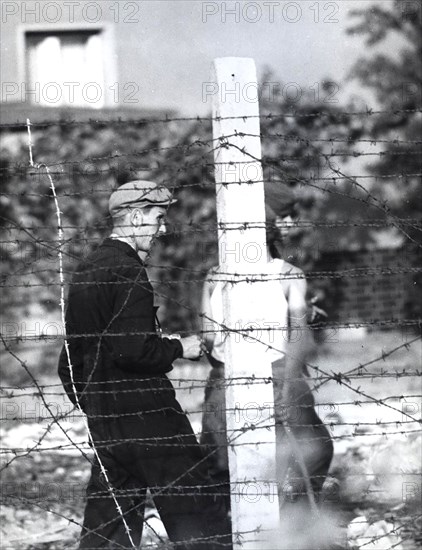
(116, 356)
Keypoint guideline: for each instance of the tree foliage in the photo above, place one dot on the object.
(297, 141)
(305, 143)
(396, 79)
(88, 160)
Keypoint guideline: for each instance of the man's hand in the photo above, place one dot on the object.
(192, 347)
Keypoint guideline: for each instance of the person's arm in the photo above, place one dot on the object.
(208, 327)
(300, 339)
(135, 346)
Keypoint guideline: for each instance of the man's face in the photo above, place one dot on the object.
(148, 223)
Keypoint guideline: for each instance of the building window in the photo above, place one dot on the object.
(66, 68)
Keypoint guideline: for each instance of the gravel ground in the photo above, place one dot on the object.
(375, 473)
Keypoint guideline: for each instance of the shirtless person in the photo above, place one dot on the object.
(294, 403)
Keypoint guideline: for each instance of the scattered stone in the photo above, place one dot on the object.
(380, 535)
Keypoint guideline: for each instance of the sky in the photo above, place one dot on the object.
(164, 48)
(303, 42)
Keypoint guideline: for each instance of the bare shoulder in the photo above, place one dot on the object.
(290, 269)
(294, 283)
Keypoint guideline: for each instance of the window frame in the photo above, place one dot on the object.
(106, 30)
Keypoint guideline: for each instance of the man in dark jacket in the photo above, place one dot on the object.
(115, 369)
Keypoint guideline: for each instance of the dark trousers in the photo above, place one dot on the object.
(156, 449)
(306, 451)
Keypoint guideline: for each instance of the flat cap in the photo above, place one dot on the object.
(139, 193)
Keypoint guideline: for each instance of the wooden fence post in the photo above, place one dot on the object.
(242, 254)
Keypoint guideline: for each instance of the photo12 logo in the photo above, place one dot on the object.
(70, 12)
(25, 331)
(270, 12)
(77, 94)
(64, 492)
(271, 92)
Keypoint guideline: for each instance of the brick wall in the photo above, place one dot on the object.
(371, 296)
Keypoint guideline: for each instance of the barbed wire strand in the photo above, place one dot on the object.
(368, 112)
(340, 378)
(70, 366)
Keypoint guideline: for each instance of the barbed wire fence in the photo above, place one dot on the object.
(389, 416)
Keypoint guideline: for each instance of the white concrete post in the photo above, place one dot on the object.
(242, 252)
